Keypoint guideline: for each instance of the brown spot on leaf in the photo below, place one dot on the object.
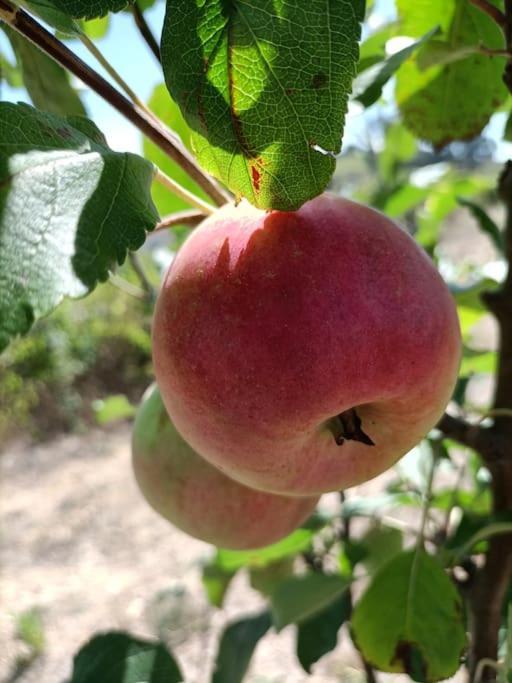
(319, 81)
(256, 178)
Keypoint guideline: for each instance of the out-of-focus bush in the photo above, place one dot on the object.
(84, 351)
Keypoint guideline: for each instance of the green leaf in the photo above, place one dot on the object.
(47, 83)
(120, 658)
(507, 133)
(410, 619)
(50, 12)
(85, 9)
(96, 29)
(405, 198)
(400, 146)
(373, 49)
(10, 73)
(264, 86)
(470, 296)
(297, 542)
(112, 409)
(438, 52)
(319, 635)
(236, 647)
(477, 362)
(453, 101)
(168, 111)
(382, 544)
(216, 582)
(300, 597)
(485, 223)
(368, 86)
(265, 579)
(70, 208)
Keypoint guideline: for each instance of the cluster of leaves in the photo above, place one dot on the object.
(71, 209)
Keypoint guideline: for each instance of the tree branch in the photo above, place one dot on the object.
(156, 132)
(492, 581)
(487, 441)
(145, 31)
(491, 10)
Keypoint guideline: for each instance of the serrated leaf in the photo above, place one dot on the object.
(409, 620)
(319, 635)
(117, 657)
(46, 82)
(368, 86)
(300, 597)
(264, 86)
(70, 208)
(453, 101)
(485, 223)
(236, 647)
(85, 9)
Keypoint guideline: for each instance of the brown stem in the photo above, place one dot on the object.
(344, 537)
(492, 11)
(191, 218)
(44, 40)
(493, 579)
(143, 279)
(145, 31)
(487, 441)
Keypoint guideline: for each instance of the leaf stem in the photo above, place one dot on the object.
(182, 193)
(145, 31)
(22, 22)
(191, 218)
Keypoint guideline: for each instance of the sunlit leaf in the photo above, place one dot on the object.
(264, 86)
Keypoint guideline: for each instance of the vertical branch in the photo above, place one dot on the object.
(145, 31)
(492, 581)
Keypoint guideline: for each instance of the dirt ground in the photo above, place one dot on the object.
(80, 545)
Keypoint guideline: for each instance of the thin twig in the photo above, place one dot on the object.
(491, 10)
(191, 218)
(183, 193)
(132, 290)
(37, 34)
(145, 31)
(143, 279)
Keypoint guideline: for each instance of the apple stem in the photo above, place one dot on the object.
(347, 427)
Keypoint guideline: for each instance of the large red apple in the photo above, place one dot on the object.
(304, 352)
(199, 499)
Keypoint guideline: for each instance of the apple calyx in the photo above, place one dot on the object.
(347, 427)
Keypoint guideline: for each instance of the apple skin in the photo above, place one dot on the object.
(196, 497)
(269, 325)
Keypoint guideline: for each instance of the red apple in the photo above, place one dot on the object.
(196, 497)
(304, 352)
